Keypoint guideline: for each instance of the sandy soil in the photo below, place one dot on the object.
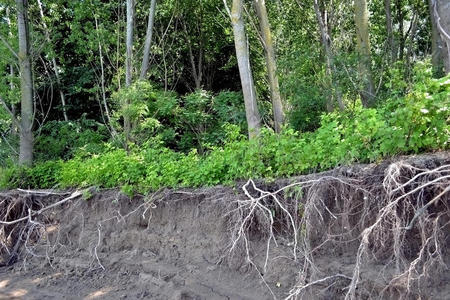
(177, 247)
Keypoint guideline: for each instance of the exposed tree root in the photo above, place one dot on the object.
(403, 224)
(396, 215)
(409, 194)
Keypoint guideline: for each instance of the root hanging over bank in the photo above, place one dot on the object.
(396, 216)
(411, 230)
(359, 232)
(24, 222)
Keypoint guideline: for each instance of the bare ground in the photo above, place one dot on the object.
(359, 232)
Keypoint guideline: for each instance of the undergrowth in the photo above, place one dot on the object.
(416, 123)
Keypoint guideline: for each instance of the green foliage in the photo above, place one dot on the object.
(60, 139)
(203, 115)
(301, 68)
(8, 149)
(181, 123)
(415, 123)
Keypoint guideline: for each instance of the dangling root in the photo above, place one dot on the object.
(407, 206)
(397, 216)
(20, 219)
(412, 207)
(27, 219)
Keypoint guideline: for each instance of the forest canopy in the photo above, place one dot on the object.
(168, 93)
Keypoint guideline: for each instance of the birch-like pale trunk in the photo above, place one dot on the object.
(245, 72)
(329, 61)
(437, 45)
(441, 13)
(102, 77)
(54, 64)
(148, 40)
(129, 62)
(363, 47)
(271, 63)
(26, 86)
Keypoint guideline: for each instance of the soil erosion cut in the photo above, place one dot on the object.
(378, 231)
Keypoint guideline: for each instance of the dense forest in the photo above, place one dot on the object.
(169, 93)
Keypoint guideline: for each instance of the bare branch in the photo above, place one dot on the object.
(227, 8)
(13, 117)
(438, 23)
(9, 46)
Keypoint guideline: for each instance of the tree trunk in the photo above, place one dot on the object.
(410, 45)
(197, 70)
(437, 45)
(400, 17)
(14, 129)
(441, 13)
(129, 62)
(245, 72)
(102, 79)
(54, 64)
(329, 58)
(148, 40)
(390, 31)
(277, 105)
(26, 86)
(363, 48)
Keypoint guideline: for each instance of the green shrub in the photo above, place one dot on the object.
(181, 123)
(411, 124)
(8, 149)
(60, 139)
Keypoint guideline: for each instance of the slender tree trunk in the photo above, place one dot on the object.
(129, 62)
(441, 12)
(410, 45)
(271, 63)
(245, 72)
(26, 86)
(197, 70)
(148, 40)
(437, 45)
(363, 47)
(14, 129)
(329, 59)
(54, 64)
(102, 78)
(118, 40)
(390, 31)
(400, 17)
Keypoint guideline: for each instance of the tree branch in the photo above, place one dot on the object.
(227, 8)
(9, 46)
(438, 23)
(13, 117)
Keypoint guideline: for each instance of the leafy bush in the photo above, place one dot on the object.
(415, 123)
(180, 123)
(8, 149)
(60, 139)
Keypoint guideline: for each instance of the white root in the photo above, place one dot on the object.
(378, 220)
(398, 207)
(74, 195)
(409, 190)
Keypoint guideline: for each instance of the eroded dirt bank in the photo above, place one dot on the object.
(359, 232)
